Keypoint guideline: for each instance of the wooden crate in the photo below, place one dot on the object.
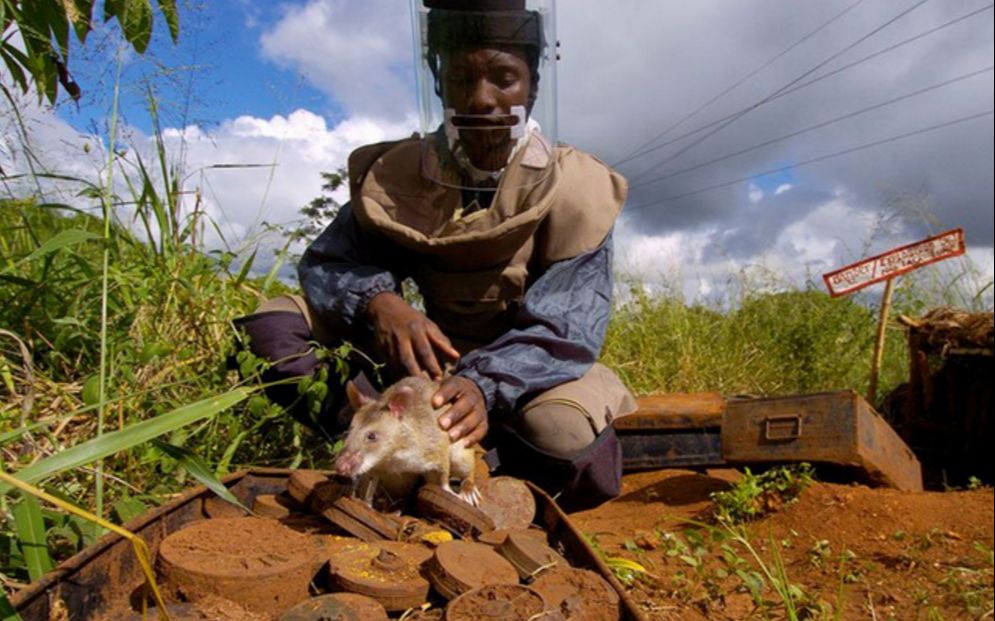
(838, 428)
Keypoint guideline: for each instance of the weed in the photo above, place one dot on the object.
(756, 495)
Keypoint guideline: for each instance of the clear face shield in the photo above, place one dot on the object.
(486, 90)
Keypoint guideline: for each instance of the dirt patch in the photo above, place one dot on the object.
(866, 553)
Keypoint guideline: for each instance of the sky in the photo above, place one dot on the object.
(790, 137)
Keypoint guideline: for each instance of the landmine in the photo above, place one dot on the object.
(263, 569)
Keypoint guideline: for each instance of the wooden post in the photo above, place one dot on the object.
(872, 387)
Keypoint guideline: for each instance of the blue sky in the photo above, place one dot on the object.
(217, 62)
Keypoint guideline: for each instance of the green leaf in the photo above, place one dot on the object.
(82, 18)
(271, 276)
(128, 508)
(244, 272)
(7, 612)
(199, 469)
(91, 390)
(62, 239)
(129, 437)
(168, 10)
(137, 24)
(31, 535)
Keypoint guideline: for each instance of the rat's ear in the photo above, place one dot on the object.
(359, 394)
(402, 399)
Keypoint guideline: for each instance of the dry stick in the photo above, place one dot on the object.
(872, 387)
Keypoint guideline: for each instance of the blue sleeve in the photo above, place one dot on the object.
(339, 274)
(558, 333)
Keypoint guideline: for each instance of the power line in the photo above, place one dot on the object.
(824, 76)
(820, 125)
(803, 85)
(814, 160)
(768, 98)
(769, 62)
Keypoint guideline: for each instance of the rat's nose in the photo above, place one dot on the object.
(346, 463)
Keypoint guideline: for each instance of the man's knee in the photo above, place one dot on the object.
(280, 332)
(558, 428)
(568, 418)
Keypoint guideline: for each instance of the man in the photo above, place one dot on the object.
(508, 238)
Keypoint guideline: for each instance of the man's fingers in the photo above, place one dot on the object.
(477, 434)
(442, 342)
(406, 356)
(426, 354)
(447, 391)
(467, 422)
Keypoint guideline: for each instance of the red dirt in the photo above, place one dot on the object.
(869, 553)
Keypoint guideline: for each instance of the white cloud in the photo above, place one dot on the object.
(781, 189)
(247, 170)
(358, 53)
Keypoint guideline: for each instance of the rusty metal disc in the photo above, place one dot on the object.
(578, 594)
(529, 555)
(218, 508)
(508, 502)
(497, 537)
(256, 563)
(336, 607)
(387, 571)
(276, 506)
(451, 511)
(459, 566)
(496, 602)
(361, 520)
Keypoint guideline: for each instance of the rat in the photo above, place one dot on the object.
(395, 440)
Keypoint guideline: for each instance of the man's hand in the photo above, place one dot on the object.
(467, 416)
(407, 337)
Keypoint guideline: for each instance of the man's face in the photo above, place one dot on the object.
(486, 83)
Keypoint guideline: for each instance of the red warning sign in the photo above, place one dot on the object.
(894, 262)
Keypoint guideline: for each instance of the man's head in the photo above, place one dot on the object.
(484, 57)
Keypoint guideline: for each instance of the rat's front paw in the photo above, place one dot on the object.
(470, 494)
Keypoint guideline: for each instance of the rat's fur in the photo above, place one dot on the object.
(395, 439)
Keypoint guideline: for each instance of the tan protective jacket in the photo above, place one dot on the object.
(477, 267)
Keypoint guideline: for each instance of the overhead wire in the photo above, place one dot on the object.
(824, 76)
(769, 97)
(819, 125)
(739, 82)
(813, 160)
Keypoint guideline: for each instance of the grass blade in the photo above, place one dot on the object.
(31, 536)
(110, 443)
(63, 239)
(199, 470)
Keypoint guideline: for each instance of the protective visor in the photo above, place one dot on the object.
(486, 89)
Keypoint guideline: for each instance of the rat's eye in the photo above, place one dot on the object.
(371, 436)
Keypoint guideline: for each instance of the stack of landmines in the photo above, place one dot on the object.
(316, 553)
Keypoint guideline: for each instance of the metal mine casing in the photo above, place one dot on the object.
(459, 566)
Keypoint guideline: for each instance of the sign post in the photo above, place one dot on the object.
(886, 267)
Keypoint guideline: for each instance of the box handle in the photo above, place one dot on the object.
(781, 428)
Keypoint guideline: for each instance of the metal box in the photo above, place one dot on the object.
(839, 428)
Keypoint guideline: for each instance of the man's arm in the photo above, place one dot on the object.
(558, 335)
(339, 274)
(351, 278)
